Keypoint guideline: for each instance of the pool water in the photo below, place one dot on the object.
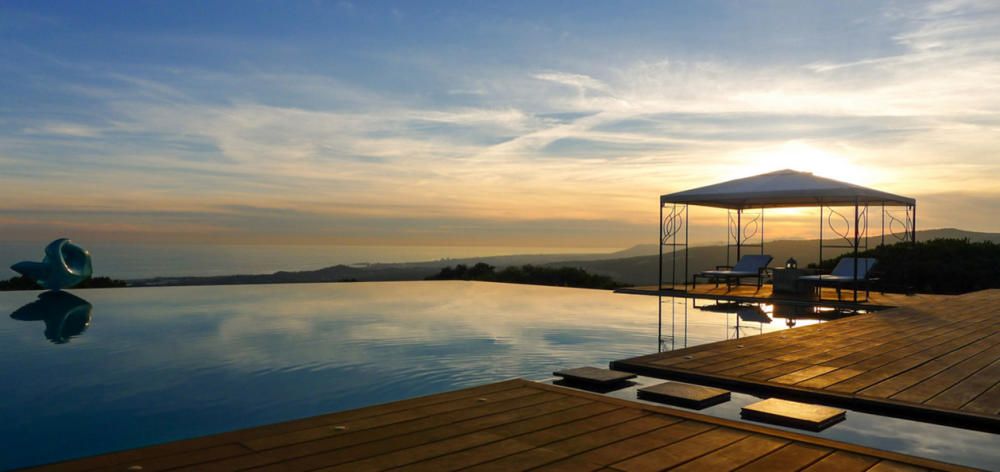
(943, 443)
(102, 370)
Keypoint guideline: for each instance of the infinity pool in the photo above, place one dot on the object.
(130, 367)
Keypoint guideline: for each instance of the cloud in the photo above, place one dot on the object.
(580, 139)
(582, 82)
(65, 129)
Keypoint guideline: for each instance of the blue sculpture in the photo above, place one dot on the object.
(65, 265)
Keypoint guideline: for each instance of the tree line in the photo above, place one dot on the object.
(946, 266)
(527, 274)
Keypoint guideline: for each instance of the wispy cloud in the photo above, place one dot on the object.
(581, 139)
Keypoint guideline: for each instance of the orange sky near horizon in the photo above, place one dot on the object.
(483, 127)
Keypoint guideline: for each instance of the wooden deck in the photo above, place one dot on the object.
(765, 294)
(512, 425)
(937, 361)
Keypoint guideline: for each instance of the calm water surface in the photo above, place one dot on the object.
(157, 364)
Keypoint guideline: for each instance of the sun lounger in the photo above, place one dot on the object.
(843, 274)
(748, 266)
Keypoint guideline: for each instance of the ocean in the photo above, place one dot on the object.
(140, 260)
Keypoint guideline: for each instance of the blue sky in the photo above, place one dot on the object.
(481, 123)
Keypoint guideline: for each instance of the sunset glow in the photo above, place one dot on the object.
(443, 124)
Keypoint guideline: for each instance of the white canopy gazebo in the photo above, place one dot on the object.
(746, 199)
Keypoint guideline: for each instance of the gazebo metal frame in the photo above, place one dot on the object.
(784, 189)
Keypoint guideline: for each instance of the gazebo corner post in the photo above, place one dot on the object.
(867, 236)
(673, 247)
(686, 247)
(739, 233)
(819, 263)
(686, 234)
(659, 243)
(883, 224)
(659, 286)
(857, 241)
(762, 231)
(910, 289)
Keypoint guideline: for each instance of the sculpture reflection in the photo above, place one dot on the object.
(65, 315)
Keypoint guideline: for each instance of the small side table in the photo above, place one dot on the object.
(787, 281)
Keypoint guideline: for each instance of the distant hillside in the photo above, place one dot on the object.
(952, 233)
(384, 272)
(641, 270)
(634, 266)
(637, 250)
(338, 273)
(373, 272)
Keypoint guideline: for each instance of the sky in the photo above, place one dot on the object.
(480, 123)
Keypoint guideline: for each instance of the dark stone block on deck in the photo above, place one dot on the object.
(684, 394)
(594, 376)
(793, 414)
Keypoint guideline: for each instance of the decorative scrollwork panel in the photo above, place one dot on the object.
(900, 226)
(672, 224)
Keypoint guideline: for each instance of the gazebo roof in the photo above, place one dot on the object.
(784, 188)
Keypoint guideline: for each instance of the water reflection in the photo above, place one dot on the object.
(174, 362)
(792, 313)
(65, 315)
(684, 321)
(749, 317)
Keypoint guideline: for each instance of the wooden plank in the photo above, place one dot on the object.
(883, 353)
(373, 441)
(400, 421)
(727, 354)
(793, 414)
(794, 456)
(803, 374)
(495, 450)
(594, 375)
(968, 389)
(926, 389)
(764, 344)
(833, 341)
(776, 371)
(194, 444)
(576, 445)
(182, 459)
(754, 429)
(394, 452)
(684, 394)
(394, 457)
(734, 455)
(929, 359)
(841, 461)
(891, 386)
(988, 403)
(889, 466)
(564, 429)
(682, 451)
(908, 361)
(604, 456)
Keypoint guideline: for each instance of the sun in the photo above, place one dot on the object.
(801, 156)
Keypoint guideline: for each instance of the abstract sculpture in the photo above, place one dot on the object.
(65, 265)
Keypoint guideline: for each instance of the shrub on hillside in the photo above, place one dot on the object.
(937, 266)
(527, 274)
